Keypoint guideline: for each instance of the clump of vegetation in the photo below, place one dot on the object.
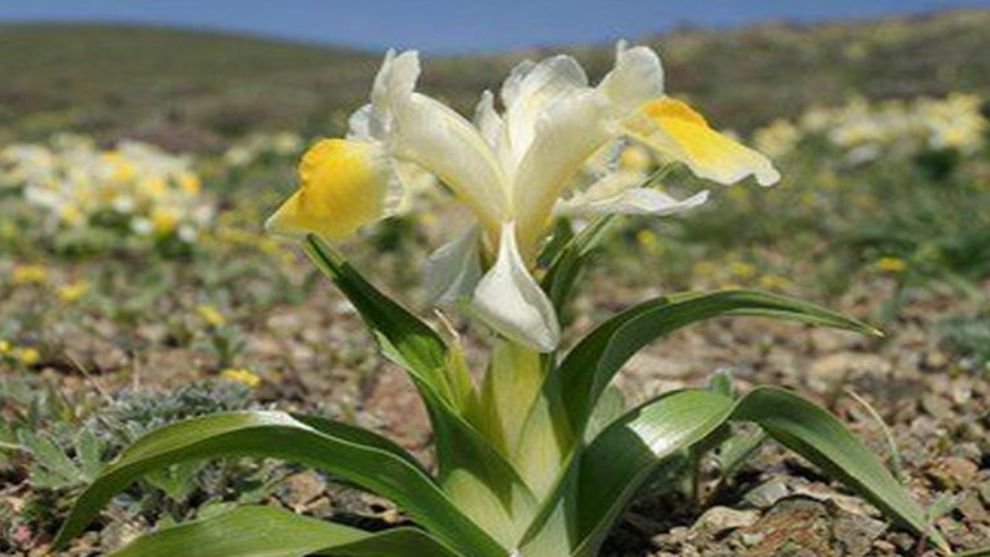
(968, 336)
(67, 445)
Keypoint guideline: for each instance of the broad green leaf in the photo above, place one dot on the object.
(471, 467)
(817, 435)
(593, 362)
(614, 466)
(333, 448)
(257, 531)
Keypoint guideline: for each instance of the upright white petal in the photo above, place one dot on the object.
(487, 120)
(530, 92)
(511, 302)
(395, 80)
(567, 134)
(452, 272)
(393, 84)
(511, 85)
(444, 143)
(359, 124)
(636, 78)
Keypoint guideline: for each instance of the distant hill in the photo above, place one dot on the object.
(192, 88)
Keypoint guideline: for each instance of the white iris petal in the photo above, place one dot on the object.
(451, 273)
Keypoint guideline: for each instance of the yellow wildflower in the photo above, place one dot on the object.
(241, 376)
(189, 183)
(704, 269)
(4, 347)
(890, 264)
(649, 240)
(29, 274)
(70, 214)
(741, 269)
(28, 356)
(774, 282)
(211, 315)
(156, 186)
(164, 221)
(72, 291)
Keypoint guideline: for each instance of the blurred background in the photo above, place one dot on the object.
(143, 143)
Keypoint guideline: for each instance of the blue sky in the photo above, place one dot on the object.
(452, 25)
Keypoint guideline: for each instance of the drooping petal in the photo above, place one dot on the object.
(342, 185)
(630, 201)
(509, 300)
(441, 141)
(673, 128)
(452, 272)
(636, 78)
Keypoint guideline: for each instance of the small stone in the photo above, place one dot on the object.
(767, 494)
(953, 472)
(299, 489)
(750, 539)
(118, 534)
(718, 520)
(984, 491)
(935, 406)
(856, 533)
(972, 510)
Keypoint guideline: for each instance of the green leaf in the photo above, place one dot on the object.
(257, 531)
(471, 468)
(568, 260)
(593, 362)
(52, 459)
(615, 465)
(334, 448)
(90, 453)
(403, 337)
(817, 435)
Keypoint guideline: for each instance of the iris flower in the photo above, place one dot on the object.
(513, 168)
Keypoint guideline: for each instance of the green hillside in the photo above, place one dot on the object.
(190, 88)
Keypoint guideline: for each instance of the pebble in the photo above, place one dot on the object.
(953, 472)
(767, 494)
(718, 520)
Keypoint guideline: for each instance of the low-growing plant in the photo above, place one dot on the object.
(539, 459)
(59, 446)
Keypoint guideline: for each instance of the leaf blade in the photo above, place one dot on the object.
(471, 468)
(258, 531)
(817, 435)
(280, 435)
(589, 367)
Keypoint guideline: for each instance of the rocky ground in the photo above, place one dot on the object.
(318, 356)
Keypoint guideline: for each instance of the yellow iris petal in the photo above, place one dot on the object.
(675, 129)
(343, 185)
